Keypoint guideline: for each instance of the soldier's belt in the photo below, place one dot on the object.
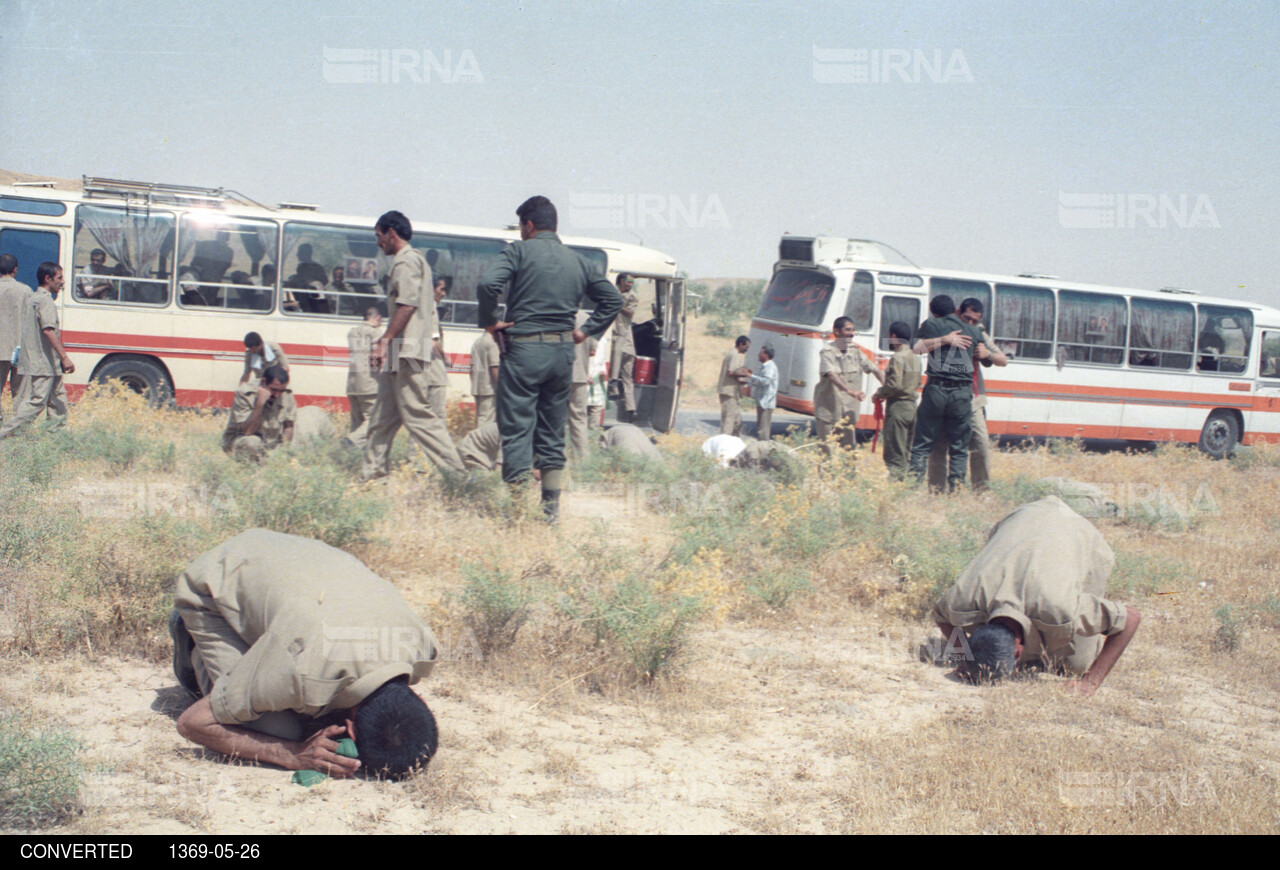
(554, 337)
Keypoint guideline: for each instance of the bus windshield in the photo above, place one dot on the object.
(797, 296)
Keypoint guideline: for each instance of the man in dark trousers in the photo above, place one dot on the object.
(536, 377)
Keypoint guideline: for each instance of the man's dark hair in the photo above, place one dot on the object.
(973, 303)
(741, 340)
(767, 350)
(252, 339)
(942, 305)
(622, 276)
(900, 330)
(45, 271)
(97, 252)
(540, 211)
(394, 220)
(840, 322)
(395, 731)
(994, 654)
(275, 375)
(8, 264)
(370, 311)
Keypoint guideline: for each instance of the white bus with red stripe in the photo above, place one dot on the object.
(1088, 361)
(164, 281)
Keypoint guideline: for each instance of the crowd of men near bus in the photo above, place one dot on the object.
(1034, 595)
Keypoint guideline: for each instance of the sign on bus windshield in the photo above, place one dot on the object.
(797, 296)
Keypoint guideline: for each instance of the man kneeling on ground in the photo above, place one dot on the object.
(262, 416)
(292, 644)
(1035, 594)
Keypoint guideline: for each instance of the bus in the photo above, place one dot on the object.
(1086, 361)
(163, 282)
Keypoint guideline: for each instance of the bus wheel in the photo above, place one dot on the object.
(140, 375)
(1220, 435)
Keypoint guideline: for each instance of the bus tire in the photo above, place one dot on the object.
(1220, 435)
(141, 375)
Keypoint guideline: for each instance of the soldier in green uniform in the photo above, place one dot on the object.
(901, 380)
(262, 417)
(838, 394)
(536, 377)
(947, 400)
(409, 390)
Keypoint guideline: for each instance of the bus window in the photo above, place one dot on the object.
(1270, 360)
(1092, 327)
(331, 270)
(224, 263)
(119, 255)
(1222, 343)
(895, 308)
(461, 262)
(961, 290)
(797, 296)
(1162, 334)
(861, 303)
(31, 247)
(1023, 321)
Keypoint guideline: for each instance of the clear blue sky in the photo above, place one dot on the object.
(716, 109)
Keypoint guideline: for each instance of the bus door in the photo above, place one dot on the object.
(671, 360)
(1264, 421)
(32, 245)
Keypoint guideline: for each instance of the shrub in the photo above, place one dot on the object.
(1230, 632)
(646, 627)
(779, 587)
(40, 774)
(497, 606)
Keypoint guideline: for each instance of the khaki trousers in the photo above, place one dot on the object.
(848, 429)
(486, 410)
(578, 420)
(405, 399)
(895, 437)
(730, 416)
(764, 424)
(361, 412)
(34, 395)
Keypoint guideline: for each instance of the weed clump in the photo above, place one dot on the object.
(497, 606)
(40, 774)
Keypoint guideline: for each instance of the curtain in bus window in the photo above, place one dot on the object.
(797, 296)
(1222, 344)
(1092, 327)
(897, 308)
(217, 256)
(1270, 359)
(861, 302)
(461, 262)
(1162, 334)
(1023, 321)
(960, 290)
(134, 240)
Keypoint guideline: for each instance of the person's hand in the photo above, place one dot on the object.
(378, 354)
(859, 395)
(68, 367)
(320, 752)
(264, 394)
(957, 339)
(579, 336)
(504, 324)
(1080, 687)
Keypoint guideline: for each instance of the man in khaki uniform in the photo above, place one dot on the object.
(15, 299)
(482, 448)
(484, 375)
(732, 370)
(1035, 593)
(580, 398)
(407, 349)
(624, 348)
(970, 312)
(43, 360)
(259, 355)
(626, 438)
(362, 385)
(279, 635)
(262, 417)
(838, 394)
(901, 382)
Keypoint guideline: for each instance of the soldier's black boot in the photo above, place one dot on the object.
(551, 495)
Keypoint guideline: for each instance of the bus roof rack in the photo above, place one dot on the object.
(1040, 276)
(1180, 291)
(300, 206)
(148, 193)
(33, 184)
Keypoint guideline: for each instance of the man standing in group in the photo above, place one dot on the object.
(979, 442)
(839, 394)
(1035, 593)
(259, 355)
(946, 404)
(764, 389)
(15, 301)
(262, 417)
(547, 280)
(732, 373)
(407, 350)
(624, 348)
(484, 377)
(579, 399)
(362, 385)
(901, 381)
(43, 360)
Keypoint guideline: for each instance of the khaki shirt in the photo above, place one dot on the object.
(319, 631)
(631, 439)
(624, 340)
(409, 284)
(902, 377)
(360, 377)
(274, 417)
(15, 310)
(728, 386)
(1046, 567)
(255, 365)
(980, 389)
(582, 354)
(830, 404)
(484, 354)
(38, 357)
